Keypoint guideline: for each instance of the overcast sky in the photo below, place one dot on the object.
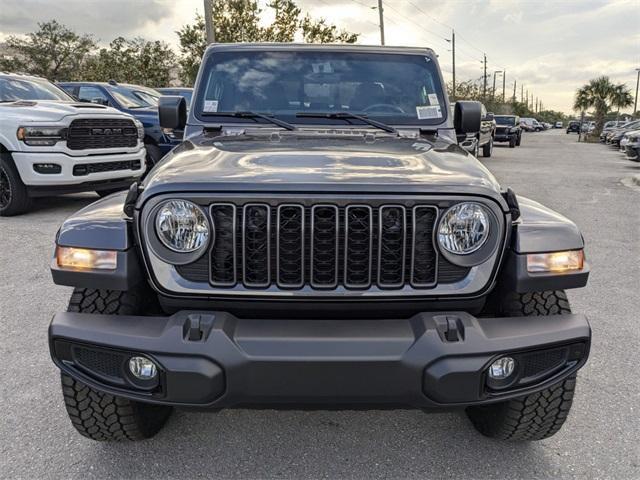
(549, 46)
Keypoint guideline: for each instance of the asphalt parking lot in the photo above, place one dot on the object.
(601, 438)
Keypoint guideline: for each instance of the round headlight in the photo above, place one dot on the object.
(182, 226)
(463, 228)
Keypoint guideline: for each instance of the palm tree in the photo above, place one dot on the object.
(601, 95)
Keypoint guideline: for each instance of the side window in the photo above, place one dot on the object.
(92, 95)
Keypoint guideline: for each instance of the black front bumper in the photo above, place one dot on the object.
(213, 359)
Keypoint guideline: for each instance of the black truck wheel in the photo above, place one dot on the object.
(14, 198)
(512, 142)
(98, 415)
(487, 148)
(519, 140)
(538, 415)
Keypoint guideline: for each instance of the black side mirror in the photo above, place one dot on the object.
(172, 110)
(99, 101)
(467, 116)
(489, 117)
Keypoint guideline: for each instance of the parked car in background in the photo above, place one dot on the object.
(631, 142)
(184, 92)
(508, 130)
(608, 127)
(52, 144)
(614, 136)
(573, 127)
(136, 100)
(481, 140)
(531, 124)
(558, 125)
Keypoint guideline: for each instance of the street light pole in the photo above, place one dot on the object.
(493, 92)
(635, 105)
(504, 80)
(381, 16)
(453, 63)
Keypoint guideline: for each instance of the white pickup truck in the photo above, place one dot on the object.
(51, 144)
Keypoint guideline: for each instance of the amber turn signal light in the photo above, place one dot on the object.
(555, 262)
(85, 259)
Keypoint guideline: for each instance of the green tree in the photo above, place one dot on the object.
(239, 21)
(53, 51)
(132, 61)
(602, 95)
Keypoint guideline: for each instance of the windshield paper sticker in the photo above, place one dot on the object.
(433, 99)
(425, 112)
(210, 106)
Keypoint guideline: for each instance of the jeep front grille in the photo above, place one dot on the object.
(91, 133)
(323, 247)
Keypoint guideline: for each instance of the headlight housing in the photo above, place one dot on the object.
(139, 128)
(182, 226)
(464, 228)
(41, 136)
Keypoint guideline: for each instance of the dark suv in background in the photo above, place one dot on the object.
(136, 100)
(508, 130)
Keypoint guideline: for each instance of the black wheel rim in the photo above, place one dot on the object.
(5, 189)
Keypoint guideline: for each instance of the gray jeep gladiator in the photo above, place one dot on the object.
(319, 240)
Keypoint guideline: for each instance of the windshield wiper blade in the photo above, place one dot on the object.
(253, 115)
(347, 116)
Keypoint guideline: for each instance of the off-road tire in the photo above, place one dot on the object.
(519, 140)
(98, 415)
(154, 155)
(487, 148)
(103, 417)
(15, 198)
(538, 415)
(512, 142)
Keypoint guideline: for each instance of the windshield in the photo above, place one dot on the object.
(12, 89)
(132, 98)
(391, 88)
(505, 120)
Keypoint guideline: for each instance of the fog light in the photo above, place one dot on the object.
(142, 368)
(502, 368)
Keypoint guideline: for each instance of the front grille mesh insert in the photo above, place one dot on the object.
(323, 247)
(89, 133)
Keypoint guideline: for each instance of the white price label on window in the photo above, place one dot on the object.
(210, 106)
(425, 112)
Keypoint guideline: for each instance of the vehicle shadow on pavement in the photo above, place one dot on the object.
(313, 444)
(71, 203)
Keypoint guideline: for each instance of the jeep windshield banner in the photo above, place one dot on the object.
(391, 88)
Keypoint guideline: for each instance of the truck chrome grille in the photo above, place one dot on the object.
(283, 246)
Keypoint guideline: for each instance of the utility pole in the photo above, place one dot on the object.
(484, 87)
(635, 105)
(514, 91)
(208, 21)
(521, 93)
(493, 92)
(381, 15)
(504, 80)
(453, 62)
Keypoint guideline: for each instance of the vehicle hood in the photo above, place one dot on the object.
(32, 112)
(295, 163)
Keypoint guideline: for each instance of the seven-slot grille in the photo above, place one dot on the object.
(89, 133)
(322, 246)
